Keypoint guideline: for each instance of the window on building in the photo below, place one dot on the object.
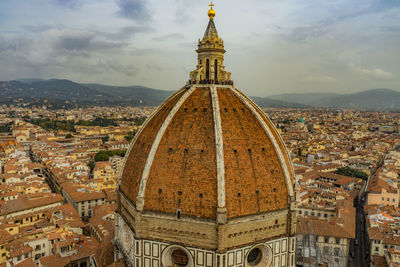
(376, 249)
(178, 213)
(326, 240)
(337, 240)
(383, 198)
(207, 69)
(337, 251)
(179, 257)
(216, 70)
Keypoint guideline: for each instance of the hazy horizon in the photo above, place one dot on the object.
(273, 47)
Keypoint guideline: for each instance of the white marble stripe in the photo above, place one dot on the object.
(219, 147)
(271, 137)
(140, 131)
(154, 147)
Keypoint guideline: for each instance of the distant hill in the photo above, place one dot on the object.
(51, 89)
(30, 80)
(375, 99)
(305, 98)
(267, 102)
(66, 94)
(136, 95)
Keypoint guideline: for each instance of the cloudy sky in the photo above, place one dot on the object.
(274, 46)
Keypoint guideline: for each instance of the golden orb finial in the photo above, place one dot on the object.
(211, 12)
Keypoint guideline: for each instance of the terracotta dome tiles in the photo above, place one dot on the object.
(183, 172)
(253, 176)
(138, 153)
(184, 167)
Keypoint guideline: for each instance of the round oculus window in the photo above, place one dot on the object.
(179, 258)
(254, 257)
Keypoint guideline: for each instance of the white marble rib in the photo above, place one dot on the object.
(219, 147)
(279, 136)
(140, 131)
(154, 147)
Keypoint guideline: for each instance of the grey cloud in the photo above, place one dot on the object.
(392, 29)
(37, 28)
(77, 56)
(6, 45)
(83, 42)
(301, 34)
(76, 43)
(320, 28)
(72, 4)
(133, 9)
(15, 46)
(126, 32)
(144, 51)
(371, 73)
(189, 45)
(154, 67)
(382, 5)
(172, 36)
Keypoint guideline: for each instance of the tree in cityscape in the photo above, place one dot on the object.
(105, 139)
(347, 171)
(5, 128)
(105, 155)
(98, 122)
(91, 165)
(130, 136)
(299, 152)
(48, 124)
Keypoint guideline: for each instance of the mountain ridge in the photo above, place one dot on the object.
(378, 99)
(63, 93)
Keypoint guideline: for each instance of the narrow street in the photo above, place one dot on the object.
(360, 246)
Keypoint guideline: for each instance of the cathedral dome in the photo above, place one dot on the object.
(207, 180)
(208, 149)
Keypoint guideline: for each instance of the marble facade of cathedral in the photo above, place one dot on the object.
(207, 181)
